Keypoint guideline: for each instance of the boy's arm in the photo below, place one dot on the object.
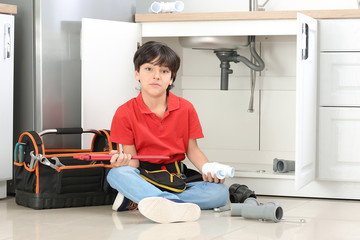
(198, 158)
(130, 149)
(124, 159)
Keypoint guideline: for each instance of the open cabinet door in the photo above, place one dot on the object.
(107, 71)
(306, 101)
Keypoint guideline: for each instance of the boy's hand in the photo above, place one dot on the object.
(209, 178)
(120, 159)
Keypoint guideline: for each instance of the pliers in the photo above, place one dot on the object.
(19, 153)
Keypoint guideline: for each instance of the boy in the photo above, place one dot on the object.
(157, 122)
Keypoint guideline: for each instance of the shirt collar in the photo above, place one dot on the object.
(173, 103)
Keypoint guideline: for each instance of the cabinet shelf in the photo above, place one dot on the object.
(259, 171)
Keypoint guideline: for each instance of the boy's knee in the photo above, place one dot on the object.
(223, 193)
(219, 194)
(119, 172)
(224, 189)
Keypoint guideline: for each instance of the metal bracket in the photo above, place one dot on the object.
(305, 41)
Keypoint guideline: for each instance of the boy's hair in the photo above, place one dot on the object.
(164, 56)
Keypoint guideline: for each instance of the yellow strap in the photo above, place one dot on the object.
(163, 186)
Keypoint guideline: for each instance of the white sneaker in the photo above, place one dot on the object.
(162, 210)
(122, 203)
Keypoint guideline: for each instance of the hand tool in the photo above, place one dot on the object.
(46, 162)
(91, 157)
(294, 220)
(34, 159)
(57, 162)
(223, 208)
(19, 153)
(256, 171)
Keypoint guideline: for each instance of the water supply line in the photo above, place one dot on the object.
(254, 6)
(252, 87)
(227, 56)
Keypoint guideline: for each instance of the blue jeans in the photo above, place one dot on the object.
(127, 181)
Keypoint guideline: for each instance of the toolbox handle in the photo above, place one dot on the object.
(68, 131)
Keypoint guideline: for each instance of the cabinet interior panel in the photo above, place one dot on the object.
(225, 120)
(277, 121)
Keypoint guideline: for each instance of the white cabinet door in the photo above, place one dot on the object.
(306, 101)
(339, 150)
(339, 35)
(107, 50)
(340, 79)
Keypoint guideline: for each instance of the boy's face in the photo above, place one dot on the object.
(154, 79)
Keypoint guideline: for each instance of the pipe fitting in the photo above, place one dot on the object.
(228, 55)
(253, 210)
(283, 166)
(239, 193)
(221, 170)
(167, 7)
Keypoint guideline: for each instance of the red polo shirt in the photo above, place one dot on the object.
(135, 124)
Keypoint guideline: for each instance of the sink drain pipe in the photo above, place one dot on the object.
(227, 56)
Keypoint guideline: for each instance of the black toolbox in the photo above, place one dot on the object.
(52, 178)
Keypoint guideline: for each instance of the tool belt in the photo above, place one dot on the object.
(170, 177)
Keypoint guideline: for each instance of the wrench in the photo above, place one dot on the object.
(46, 162)
(34, 159)
(256, 171)
(57, 162)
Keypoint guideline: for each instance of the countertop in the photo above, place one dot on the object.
(257, 15)
(8, 9)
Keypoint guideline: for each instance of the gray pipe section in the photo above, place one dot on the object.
(227, 56)
(225, 71)
(252, 87)
(283, 166)
(252, 209)
(255, 55)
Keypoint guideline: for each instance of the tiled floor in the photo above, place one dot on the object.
(325, 219)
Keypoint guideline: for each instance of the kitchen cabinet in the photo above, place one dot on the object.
(284, 123)
(6, 94)
(339, 112)
(339, 134)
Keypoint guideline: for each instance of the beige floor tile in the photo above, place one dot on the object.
(325, 219)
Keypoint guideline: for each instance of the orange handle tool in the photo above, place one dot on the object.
(98, 157)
